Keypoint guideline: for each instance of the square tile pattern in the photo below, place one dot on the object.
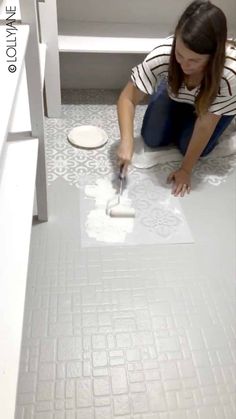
(137, 332)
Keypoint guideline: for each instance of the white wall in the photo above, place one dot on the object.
(101, 71)
(113, 70)
(134, 11)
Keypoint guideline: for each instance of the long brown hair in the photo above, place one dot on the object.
(203, 29)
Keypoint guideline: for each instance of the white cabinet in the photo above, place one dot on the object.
(22, 173)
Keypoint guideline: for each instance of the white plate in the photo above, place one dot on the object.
(87, 136)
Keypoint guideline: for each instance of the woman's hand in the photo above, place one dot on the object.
(181, 182)
(125, 153)
(129, 98)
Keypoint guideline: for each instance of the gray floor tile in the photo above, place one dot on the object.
(141, 332)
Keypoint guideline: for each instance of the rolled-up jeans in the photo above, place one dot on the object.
(167, 121)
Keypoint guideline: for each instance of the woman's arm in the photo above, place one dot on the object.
(130, 97)
(203, 130)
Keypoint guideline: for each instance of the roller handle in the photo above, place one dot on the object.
(122, 172)
(121, 179)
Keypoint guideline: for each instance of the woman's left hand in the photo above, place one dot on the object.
(181, 182)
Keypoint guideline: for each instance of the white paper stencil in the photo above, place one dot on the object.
(159, 216)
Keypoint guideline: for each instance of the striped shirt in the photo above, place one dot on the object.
(147, 75)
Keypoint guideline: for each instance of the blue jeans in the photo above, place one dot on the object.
(167, 121)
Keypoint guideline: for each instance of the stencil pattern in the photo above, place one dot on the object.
(159, 217)
(97, 107)
(155, 208)
(162, 222)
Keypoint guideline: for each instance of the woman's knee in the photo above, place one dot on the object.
(219, 130)
(184, 139)
(183, 146)
(208, 149)
(151, 137)
(157, 121)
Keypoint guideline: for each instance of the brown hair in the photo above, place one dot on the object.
(203, 29)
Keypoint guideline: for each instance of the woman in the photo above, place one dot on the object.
(192, 79)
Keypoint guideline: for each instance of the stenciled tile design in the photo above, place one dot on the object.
(159, 217)
(99, 108)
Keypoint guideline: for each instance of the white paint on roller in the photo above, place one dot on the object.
(101, 226)
(121, 211)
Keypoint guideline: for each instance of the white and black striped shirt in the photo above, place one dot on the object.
(147, 75)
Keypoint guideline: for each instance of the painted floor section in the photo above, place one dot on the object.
(158, 218)
(129, 332)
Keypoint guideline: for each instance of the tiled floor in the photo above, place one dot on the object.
(141, 332)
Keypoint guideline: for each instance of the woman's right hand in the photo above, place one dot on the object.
(125, 153)
(129, 98)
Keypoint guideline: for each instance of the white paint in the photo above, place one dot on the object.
(101, 226)
(159, 217)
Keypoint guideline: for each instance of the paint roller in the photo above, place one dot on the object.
(114, 206)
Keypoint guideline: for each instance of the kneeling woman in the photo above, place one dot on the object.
(191, 78)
